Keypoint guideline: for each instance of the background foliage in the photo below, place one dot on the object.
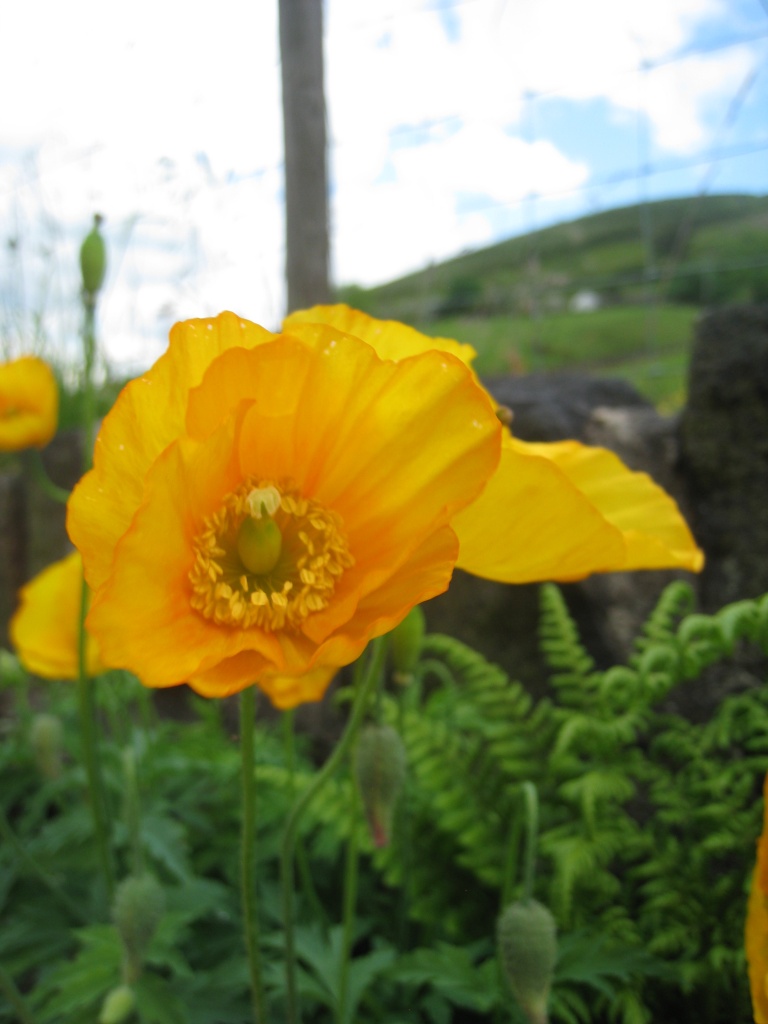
(647, 829)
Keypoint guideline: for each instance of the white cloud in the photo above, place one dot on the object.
(166, 118)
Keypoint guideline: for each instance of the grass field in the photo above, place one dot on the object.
(648, 346)
(704, 251)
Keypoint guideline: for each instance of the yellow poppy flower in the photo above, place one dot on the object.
(29, 404)
(756, 931)
(557, 511)
(45, 629)
(261, 506)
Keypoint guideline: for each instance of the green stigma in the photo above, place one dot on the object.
(259, 543)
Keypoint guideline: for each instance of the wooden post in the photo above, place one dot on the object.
(306, 179)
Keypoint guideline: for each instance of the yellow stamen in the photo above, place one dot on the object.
(312, 556)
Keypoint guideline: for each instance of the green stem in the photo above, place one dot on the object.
(302, 861)
(48, 881)
(511, 861)
(89, 358)
(90, 752)
(34, 462)
(531, 799)
(349, 902)
(15, 998)
(364, 690)
(248, 852)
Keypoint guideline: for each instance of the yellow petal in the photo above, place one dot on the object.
(391, 450)
(29, 404)
(148, 415)
(656, 535)
(46, 628)
(390, 339)
(756, 929)
(532, 523)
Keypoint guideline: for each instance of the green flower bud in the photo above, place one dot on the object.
(12, 672)
(138, 907)
(118, 1005)
(93, 259)
(46, 736)
(405, 644)
(380, 765)
(527, 937)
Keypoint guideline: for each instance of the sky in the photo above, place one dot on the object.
(452, 124)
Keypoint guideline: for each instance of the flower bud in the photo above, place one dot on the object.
(118, 1005)
(138, 907)
(380, 764)
(12, 672)
(405, 644)
(46, 735)
(93, 259)
(527, 937)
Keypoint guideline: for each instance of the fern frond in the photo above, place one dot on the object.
(559, 641)
(677, 600)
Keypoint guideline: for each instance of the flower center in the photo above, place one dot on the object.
(268, 557)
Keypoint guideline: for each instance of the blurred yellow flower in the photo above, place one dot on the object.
(261, 506)
(551, 511)
(45, 629)
(756, 932)
(29, 404)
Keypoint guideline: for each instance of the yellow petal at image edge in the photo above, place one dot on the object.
(29, 404)
(756, 929)
(45, 629)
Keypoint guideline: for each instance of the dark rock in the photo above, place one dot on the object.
(554, 406)
(724, 450)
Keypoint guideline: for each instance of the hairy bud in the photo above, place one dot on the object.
(527, 937)
(380, 765)
(46, 736)
(93, 259)
(138, 907)
(118, 1005)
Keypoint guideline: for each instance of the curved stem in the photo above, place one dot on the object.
(90, 752)
(34, 461)
(364, 690)
(531, 799)
(248, 852)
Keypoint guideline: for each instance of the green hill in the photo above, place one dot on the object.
(643, 272)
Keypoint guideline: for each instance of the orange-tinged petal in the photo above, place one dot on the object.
(656, 535)
(756, 930)
(142, 614)
(46, 627)
(29, 404)
(148, 415)
(532, 523)
(399, 449)
(284, 691)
